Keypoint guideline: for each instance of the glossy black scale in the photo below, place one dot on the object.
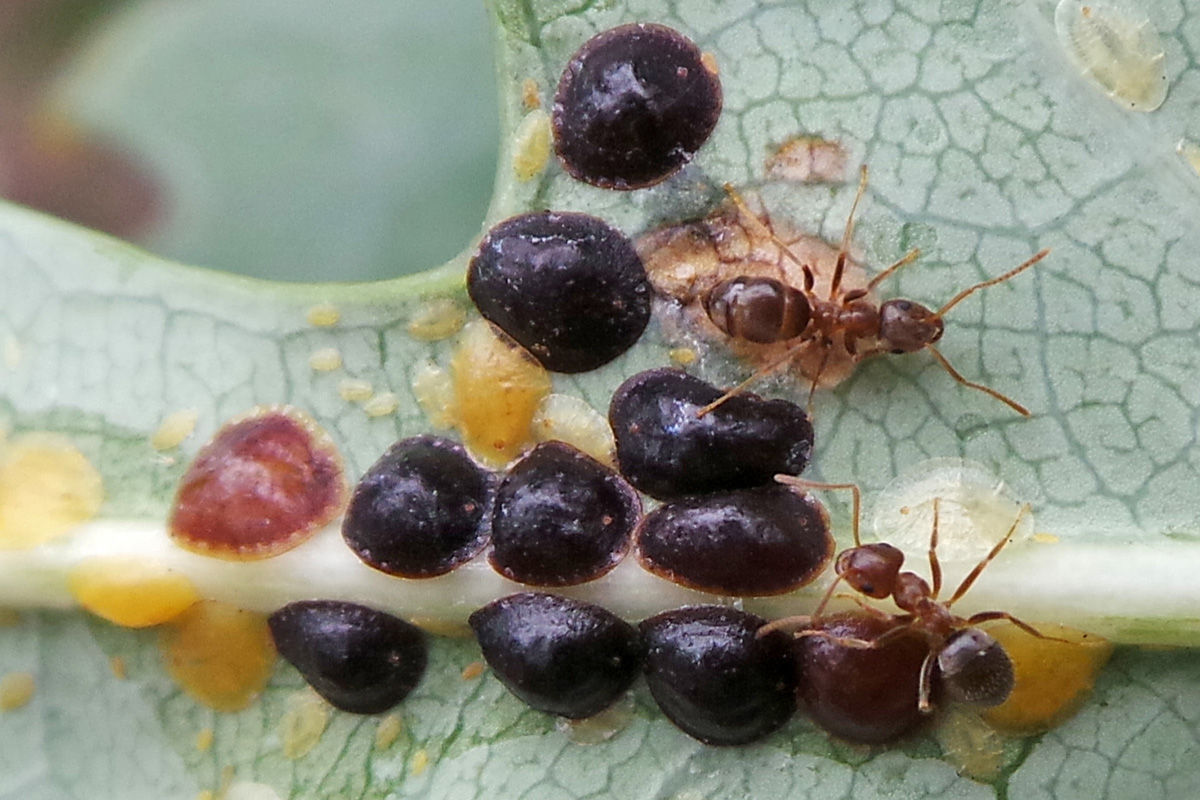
(667, 451)
(561, 518)
(361, 660)
(715, 678)
(763, 541)
(568, 287)
(421, 510)
(560, 656)
(633, 106)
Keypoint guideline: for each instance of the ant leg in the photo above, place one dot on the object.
(825, 598)
(845, 641)
(974, 574)
(791, 625)
(925, 686)
(1008, 401)
(840, 266)
(868, 608)
(765, 230)
(965, 293)
(987, 616)
(741, 387)
(842, 641)
(935, 568)
(856, 493)
(909, 257)
(827, 344)
(797, 626)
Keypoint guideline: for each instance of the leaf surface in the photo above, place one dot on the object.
(985, 143)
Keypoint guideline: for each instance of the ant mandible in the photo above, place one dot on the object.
(767, 311)
(973, 666)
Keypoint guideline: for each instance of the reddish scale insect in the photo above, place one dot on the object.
(265, 483)
(972, 665)
(765, 311)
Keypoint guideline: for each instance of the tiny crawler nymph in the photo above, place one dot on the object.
(972, 665)
(766, 311)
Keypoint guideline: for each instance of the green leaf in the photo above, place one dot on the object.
(985, 142)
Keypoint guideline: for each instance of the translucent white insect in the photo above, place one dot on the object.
(1115, 46)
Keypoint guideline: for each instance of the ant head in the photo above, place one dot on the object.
(906, 327)
(871, 568)
(975, 668)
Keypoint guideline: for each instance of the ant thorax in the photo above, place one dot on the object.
(686, 262)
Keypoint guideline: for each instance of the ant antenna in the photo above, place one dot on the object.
(965, 293)
(840, 266)
(909, 257)
(1008, 401)
(856, 493)
(935, 567)
(765, 230)
(968, 581)
(856, 513)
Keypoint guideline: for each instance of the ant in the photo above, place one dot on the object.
(767, 311)
(973, 666)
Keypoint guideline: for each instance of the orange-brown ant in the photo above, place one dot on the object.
(973, 666)
(766, 311)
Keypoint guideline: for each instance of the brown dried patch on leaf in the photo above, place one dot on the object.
(685, 262)
(808, 159)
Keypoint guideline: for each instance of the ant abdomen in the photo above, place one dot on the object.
(975, 668)
(761, 310)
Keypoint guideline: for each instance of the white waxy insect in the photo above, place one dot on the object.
(1114, 44)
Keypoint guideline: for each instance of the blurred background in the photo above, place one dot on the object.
(297, 140)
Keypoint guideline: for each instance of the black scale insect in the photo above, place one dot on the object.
(558, 655)
(359, 659)
(561, 518)
(633, 106)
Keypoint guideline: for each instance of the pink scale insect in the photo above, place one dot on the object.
(765, 310)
